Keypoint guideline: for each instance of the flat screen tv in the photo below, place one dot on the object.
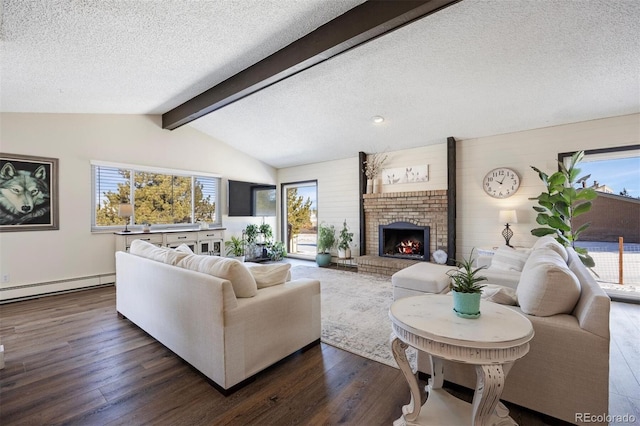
(251, 199)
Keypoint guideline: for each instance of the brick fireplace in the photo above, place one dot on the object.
(425, 210)
(404, 240)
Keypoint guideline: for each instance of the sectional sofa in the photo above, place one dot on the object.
(566, 372)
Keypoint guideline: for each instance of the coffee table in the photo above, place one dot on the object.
(492, 342)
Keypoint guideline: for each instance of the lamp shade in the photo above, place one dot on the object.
(508, 216)
(125, 210)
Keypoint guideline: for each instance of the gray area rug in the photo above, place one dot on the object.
(355, 312)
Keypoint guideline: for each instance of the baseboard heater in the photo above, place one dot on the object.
(48, 288)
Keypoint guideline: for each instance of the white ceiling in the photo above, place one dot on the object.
(478, 68)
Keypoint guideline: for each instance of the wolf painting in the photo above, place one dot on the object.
(24, 193)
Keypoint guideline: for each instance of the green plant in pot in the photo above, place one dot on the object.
(251, 233)
(235, 247)
(344, 242)
(466, 288)
(267, 232)
(276, 251)
(326, 241)
(566, 198)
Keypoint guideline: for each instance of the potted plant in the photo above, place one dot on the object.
(326, 241)
(344, 241)
(566, 197)
(266, 232)
(251, 233)
(235, 248)
(276, 251)
(465, 288)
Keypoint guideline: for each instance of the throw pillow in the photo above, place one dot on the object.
(243, 283)
(549, 242)
(499, 294)
(183, 248)
(270, 274)
(547, 286)
(159, 254)
(509, 259)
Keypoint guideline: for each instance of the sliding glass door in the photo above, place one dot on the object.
(300, 223)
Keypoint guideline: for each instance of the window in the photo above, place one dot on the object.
(159, 196)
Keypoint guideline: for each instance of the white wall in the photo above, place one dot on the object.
(73, 253)
(477, 213)
(338, 193)
(435, 156)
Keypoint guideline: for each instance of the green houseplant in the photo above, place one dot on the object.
(466, 288)
(235, 247)
(344, 242)
(276, 251)
(266, 231)
(566, 197)
(326, 241)
(251, 233)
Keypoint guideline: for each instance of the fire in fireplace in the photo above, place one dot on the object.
(404, 240)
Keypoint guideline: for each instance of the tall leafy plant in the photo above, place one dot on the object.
(326, 238)
(566, 197)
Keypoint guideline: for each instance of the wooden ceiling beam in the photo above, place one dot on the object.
(359, 25)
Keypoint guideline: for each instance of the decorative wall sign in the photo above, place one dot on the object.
(28, 193)
(411, 174)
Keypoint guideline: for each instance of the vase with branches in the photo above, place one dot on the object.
(373, 168)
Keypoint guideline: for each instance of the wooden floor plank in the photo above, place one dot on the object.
(70, 359)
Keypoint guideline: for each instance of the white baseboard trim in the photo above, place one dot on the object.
(29, 291)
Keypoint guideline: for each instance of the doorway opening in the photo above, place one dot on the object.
(300, 219)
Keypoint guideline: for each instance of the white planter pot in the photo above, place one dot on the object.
(376, 186)
(369, 186)
(344, 253)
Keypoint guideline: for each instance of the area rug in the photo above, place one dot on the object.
(355, 312)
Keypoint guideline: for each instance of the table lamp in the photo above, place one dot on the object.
(125, 210)
(507, 217)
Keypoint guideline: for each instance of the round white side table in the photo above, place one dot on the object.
(492, 342)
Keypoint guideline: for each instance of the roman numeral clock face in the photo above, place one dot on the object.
(501, 182)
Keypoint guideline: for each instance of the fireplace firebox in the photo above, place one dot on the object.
(404, 240)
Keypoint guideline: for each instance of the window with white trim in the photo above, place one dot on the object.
(160, 197)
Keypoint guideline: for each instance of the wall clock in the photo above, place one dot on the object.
(501, 182)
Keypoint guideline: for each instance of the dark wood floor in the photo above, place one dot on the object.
(71, 360)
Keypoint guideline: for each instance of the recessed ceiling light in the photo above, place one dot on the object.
(377, 119)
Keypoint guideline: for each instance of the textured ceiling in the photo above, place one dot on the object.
(477, 68)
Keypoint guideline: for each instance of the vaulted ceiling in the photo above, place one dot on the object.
(473, 69)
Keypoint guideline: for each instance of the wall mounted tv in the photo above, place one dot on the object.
(251, 199)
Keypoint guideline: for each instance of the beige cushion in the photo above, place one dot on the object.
(509, 259)
(243, 283)
(499, 294)
(549, 242)
(269, 274)
(159, 254)
(424, 277)
(183, 248)
(547, 286)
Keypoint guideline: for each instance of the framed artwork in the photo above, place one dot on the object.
(409, 174)
(28, 193)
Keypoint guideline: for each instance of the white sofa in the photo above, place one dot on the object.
(566, 371)
(226, 327)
